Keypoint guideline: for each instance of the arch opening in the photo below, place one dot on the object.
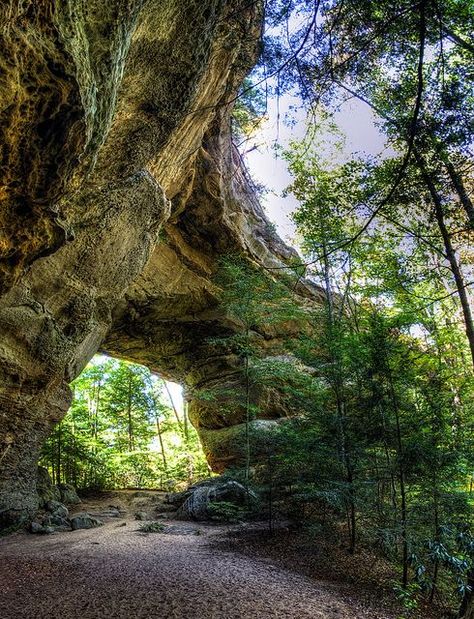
(126, 428)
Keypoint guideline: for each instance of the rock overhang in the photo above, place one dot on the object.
(116, 135)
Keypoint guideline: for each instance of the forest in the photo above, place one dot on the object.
(123, 431)
(384, 436)
(363, 338)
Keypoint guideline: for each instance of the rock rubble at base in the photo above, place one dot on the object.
(47, 491)
(37, 528)
(196, 502)
(85, 521)
(55, 518)
(68, 494)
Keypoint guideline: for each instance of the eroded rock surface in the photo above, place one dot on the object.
(85, 521)
(120, 189)
(196, 502)
(45, 488)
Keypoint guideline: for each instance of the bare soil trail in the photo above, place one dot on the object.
(117, 572)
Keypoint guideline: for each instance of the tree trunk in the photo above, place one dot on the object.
(352, 510)
(160, 438)
(129, 415)
(401, 479)
(185, 423)
(59, 455)
(450, 255)
(175, 410)
(338, 389)
(96, 412)
(460, 190)
(466, 610)
(270, 495)
(247, 419)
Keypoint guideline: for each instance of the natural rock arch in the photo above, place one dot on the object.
(120, 189)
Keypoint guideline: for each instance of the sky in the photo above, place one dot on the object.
(176, 391)
(356, 122)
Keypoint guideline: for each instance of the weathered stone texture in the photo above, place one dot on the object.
(119, 190)
(60, 68)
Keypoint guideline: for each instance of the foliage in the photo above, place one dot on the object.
(383, 438)
(407, 595)
(224, 511)
(394, 372)
(152, 527)
(379, 439)
(121, 432)
(248, 111)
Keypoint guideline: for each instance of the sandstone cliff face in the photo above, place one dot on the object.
(119, 190)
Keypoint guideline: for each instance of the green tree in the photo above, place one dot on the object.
(394, 363)
(122, 431)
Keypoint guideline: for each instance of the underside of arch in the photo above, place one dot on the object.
(120, 190)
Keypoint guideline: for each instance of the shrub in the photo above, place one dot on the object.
(224, 511)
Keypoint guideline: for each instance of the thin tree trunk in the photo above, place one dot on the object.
(129, 415)
(175, 411)
(160, 438)
(380, 488)
(401, 481)
(352, 511)
(460, 190)
(457, 39)
(247, 418)
(434, 582)
(435, 430)
(456, 179)
(393, 487)
(270, 495)
(185, 422)
(466, 611)
(59, 454)
(345, 458)
(96, 412)
(401, 469)
(189, 456)
(450, 254)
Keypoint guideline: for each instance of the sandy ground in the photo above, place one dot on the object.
(117, 572)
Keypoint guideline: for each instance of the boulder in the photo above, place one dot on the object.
(57, 509)
(56, 516)
(178, 498)
(111, 512)
(56, 521)
(84, 520)
(195, 502)
(45, 488)
(141, 516)
(63, 528)
(68, 494)
(39, 529)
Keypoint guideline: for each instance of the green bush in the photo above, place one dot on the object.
(224, 511)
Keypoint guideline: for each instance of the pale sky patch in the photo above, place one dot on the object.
(355, 121)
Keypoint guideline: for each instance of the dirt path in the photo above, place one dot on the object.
(116, 572)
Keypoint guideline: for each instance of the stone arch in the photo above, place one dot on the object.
(163, 320)
(168, 195)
